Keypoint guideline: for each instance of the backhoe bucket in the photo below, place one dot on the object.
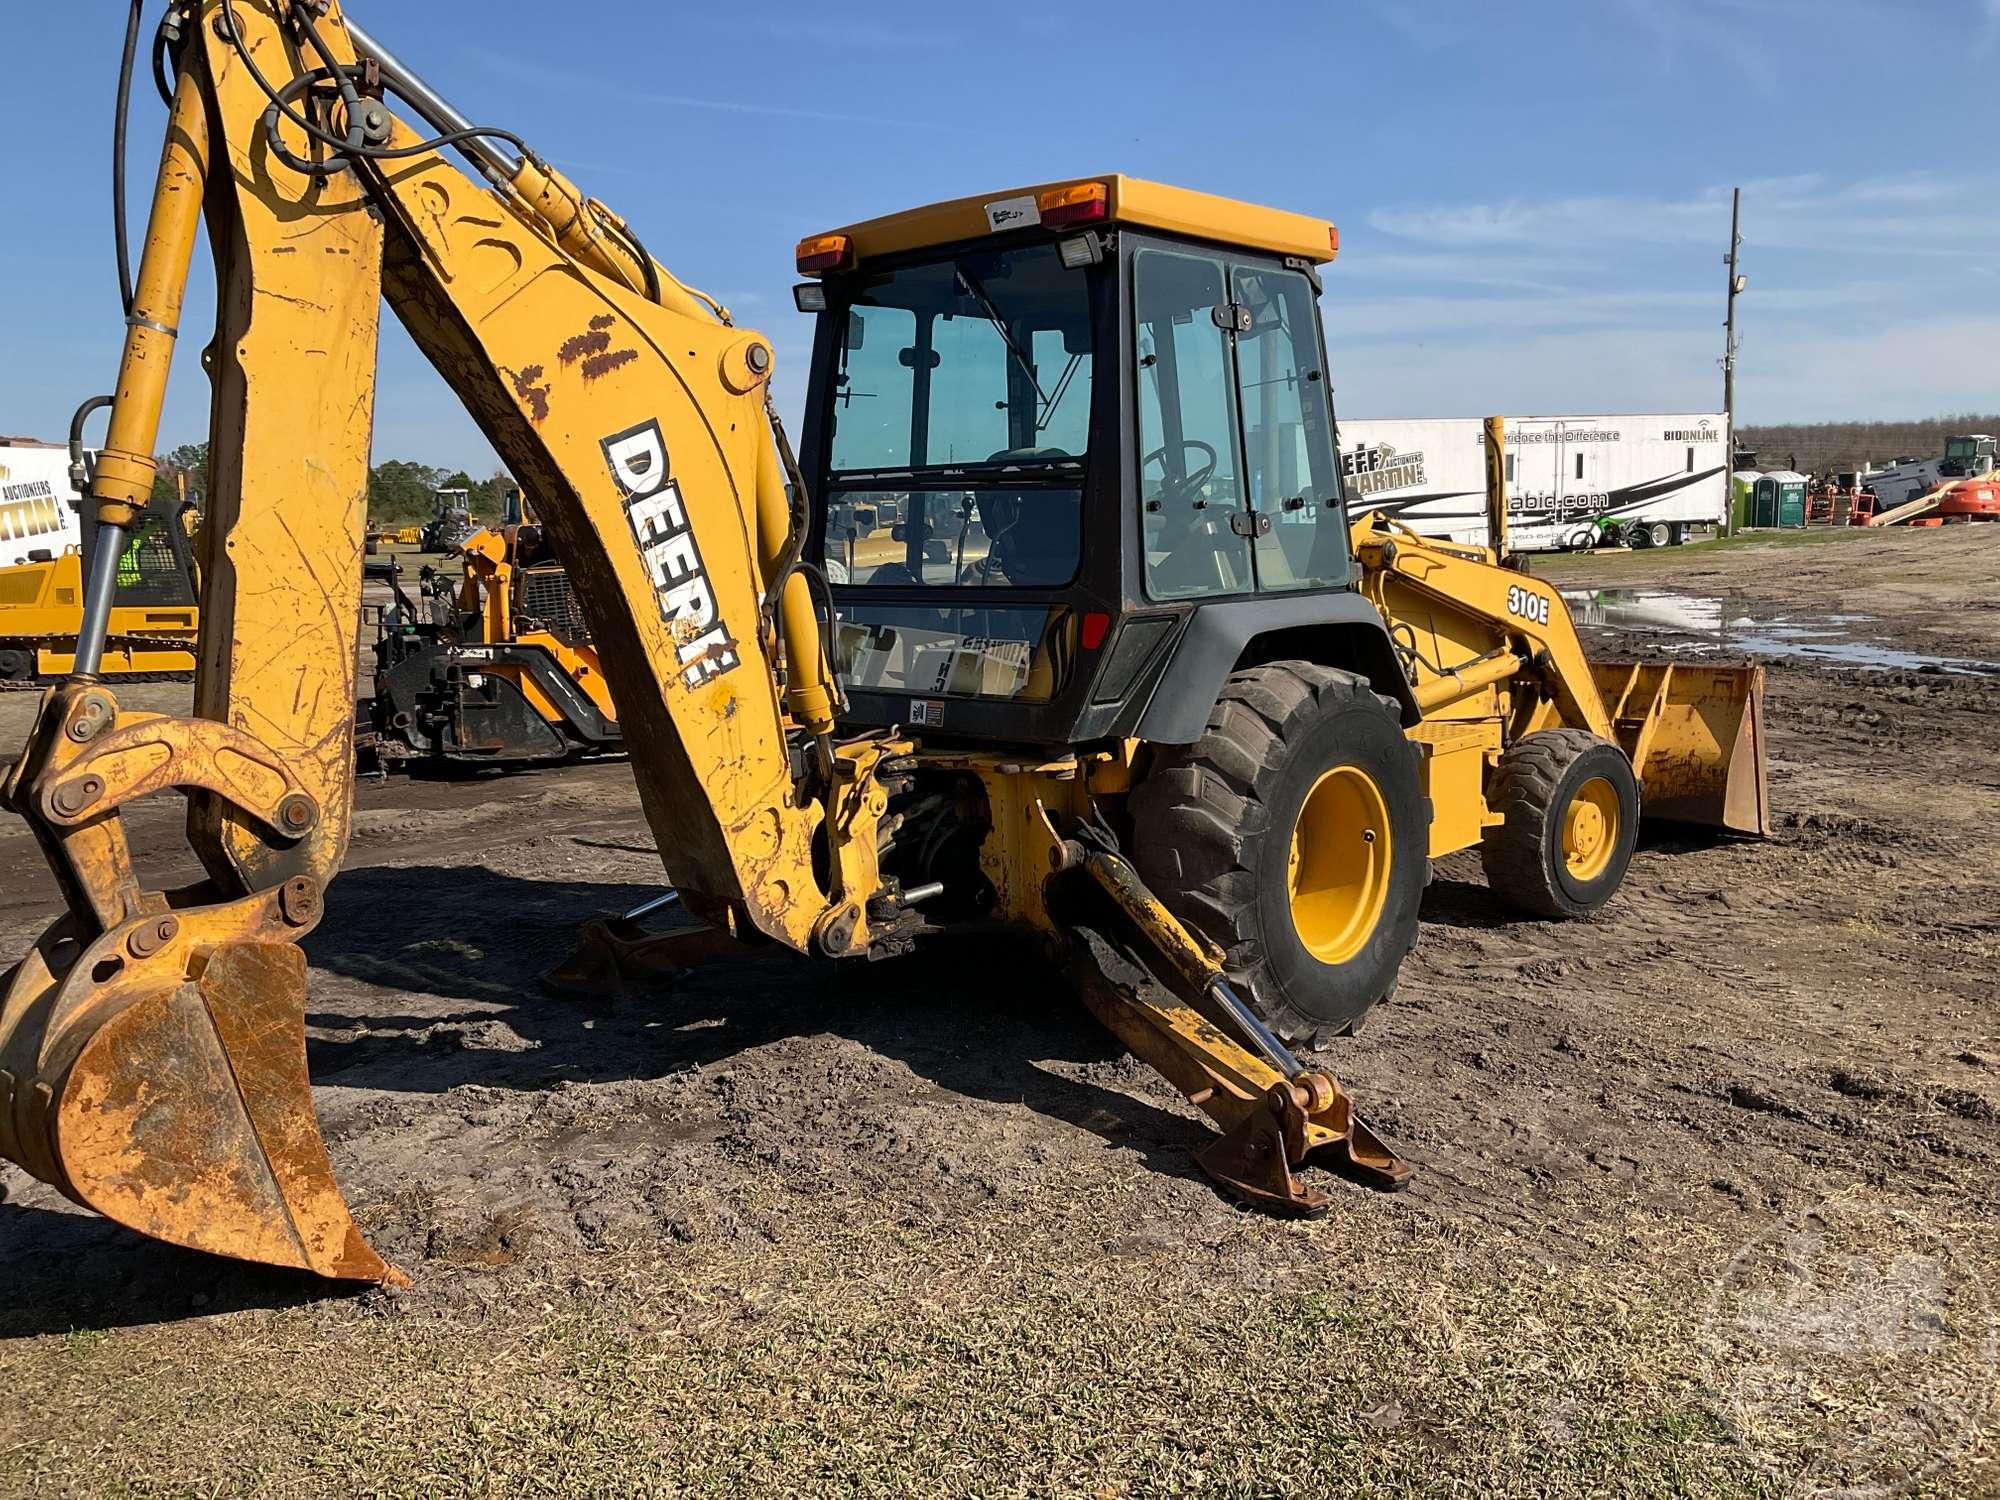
(1695, 735)
(181, 1110)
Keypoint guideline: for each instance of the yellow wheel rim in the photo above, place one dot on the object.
(1339, 868)
(1590, 829)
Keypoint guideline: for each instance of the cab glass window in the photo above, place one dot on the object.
(1291, 467)
(1188, 485)
(959, 418)
(872, 389)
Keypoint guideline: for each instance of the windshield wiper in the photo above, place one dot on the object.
(971, 284)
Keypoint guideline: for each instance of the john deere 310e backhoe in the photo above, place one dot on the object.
(1055, 625)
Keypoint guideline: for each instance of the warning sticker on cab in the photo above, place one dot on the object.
(1013, 213)
(926, 713)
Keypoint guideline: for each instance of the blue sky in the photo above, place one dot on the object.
(1533, 196)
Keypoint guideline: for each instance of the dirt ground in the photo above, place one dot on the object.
(921, 1229)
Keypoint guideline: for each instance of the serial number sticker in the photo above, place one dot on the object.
(926, 713)
(1012, 213)
(1528, 605)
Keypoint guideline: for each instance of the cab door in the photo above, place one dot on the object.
(1290, 467)
(1194, 526)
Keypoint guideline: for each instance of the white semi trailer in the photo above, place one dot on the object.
(1646, 480)
(39, 512)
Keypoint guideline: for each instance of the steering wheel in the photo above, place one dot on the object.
(1180, 489)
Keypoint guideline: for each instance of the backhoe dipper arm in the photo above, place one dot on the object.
(152, 1059)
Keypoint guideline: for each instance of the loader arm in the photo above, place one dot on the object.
(1481, 640)
(1406, 575)
(152, 1059)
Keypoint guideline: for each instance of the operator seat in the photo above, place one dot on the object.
(1034, 535)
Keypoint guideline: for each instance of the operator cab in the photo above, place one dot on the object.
(1969, 457)
(1057, 438)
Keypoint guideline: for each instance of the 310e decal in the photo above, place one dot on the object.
(1528, 605)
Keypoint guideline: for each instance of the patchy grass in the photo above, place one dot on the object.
(937, 1363)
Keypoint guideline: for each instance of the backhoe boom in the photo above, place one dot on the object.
(152, 1060)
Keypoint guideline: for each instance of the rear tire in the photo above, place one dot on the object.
(1571, 806)
(1295, 835)
(1659, 534)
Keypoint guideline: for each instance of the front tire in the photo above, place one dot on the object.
(1295, 835)
(1571, 806)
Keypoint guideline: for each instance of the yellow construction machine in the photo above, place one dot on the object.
(500, 671)
(1123, 683)
(153, 622)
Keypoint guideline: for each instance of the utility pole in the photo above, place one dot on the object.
(1736, 284)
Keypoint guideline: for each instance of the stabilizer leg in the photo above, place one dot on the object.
(1276, 1114)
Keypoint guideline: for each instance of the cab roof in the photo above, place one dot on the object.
(1128, 200)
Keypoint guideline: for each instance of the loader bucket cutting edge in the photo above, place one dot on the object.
(187, 1115)
(1696, 738)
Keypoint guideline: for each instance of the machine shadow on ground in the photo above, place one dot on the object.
(397, 1006)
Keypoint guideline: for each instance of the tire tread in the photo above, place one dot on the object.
(1524, 791)
(1199, 809)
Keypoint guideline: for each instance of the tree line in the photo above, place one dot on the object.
(1826, 447)
(399, 490)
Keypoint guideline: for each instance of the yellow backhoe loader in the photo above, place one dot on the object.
(1123, 683)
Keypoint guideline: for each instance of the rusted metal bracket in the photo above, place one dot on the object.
(86, 759)
(1254, 1161)
(144, 754)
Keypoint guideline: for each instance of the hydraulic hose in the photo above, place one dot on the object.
(164, 41)
(79, 477)
(118, 118)
(465, 138)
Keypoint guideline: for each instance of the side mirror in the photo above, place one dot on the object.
(857, 329)
(899, 532)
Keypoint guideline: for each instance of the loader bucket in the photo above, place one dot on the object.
(1695, 735)
(180, 1110)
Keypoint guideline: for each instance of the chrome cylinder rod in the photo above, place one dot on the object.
(100, 591)
(659, 903)
(1275, 1052)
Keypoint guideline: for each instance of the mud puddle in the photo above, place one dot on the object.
(1724, 623)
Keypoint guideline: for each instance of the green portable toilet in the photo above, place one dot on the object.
(1779, 499)
(1742, 487)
